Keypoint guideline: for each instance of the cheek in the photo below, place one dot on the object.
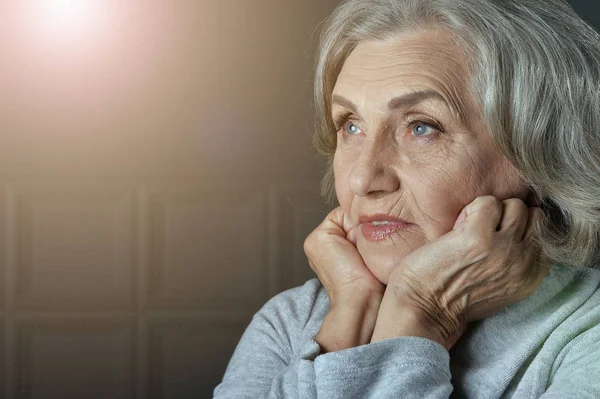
(341, 168)
(443, 189)
(442, 192)
(439, 202)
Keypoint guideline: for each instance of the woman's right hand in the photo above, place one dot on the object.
(354, 292)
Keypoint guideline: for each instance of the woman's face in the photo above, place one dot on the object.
(419, 158)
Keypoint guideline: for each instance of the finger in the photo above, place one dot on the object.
(535, 217)
(514, 218)
(461, 217)
(337, 222)
(341, 219)
(484, 213)
(351, 236)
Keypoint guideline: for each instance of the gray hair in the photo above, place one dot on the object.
(536, 78)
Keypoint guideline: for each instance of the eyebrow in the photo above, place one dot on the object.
(401, 102)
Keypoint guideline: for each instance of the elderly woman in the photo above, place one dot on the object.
(463, 257)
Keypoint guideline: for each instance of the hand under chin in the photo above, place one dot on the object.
(381, 258)
(380, 264)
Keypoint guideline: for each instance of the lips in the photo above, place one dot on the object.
(381, 227)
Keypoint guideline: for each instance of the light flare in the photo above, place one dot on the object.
(64, 21)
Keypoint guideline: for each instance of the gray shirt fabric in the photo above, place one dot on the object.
(546, 346)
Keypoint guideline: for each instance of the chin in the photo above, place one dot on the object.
(380, 264)
(382, 257)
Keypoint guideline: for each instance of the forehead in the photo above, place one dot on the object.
(379, 70)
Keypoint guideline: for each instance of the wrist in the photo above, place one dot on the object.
(348, 324)
(397, 320)
(359, 299)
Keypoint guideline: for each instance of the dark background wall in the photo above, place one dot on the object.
(156, 186)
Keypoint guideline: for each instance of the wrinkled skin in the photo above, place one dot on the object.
(469, 249)
(487, 262)
(424, 163)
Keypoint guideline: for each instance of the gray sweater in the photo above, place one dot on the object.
(547, 346)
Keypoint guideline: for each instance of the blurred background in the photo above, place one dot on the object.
(156, 186)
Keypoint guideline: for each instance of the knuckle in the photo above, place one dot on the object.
(307, 240)
(470, 242)
(479, 201)
(401, 290)
(406, 286)
(487, 202)
(479, 244)
(512, 224)
(488, 239)
(519, 205)
(515, 202)
(308, 244)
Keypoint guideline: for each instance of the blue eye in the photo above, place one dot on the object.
(422, 129)
(351, 129)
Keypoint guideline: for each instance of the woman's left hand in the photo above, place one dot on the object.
(487, 262)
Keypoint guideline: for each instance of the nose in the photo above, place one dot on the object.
(373, 172)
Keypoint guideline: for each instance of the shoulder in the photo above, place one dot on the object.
(576, 370)
(581, 326)
(296, 310)
(297, 304)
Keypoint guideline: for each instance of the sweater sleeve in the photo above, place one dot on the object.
(402, 367)
(578, 375)
(276, 359)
